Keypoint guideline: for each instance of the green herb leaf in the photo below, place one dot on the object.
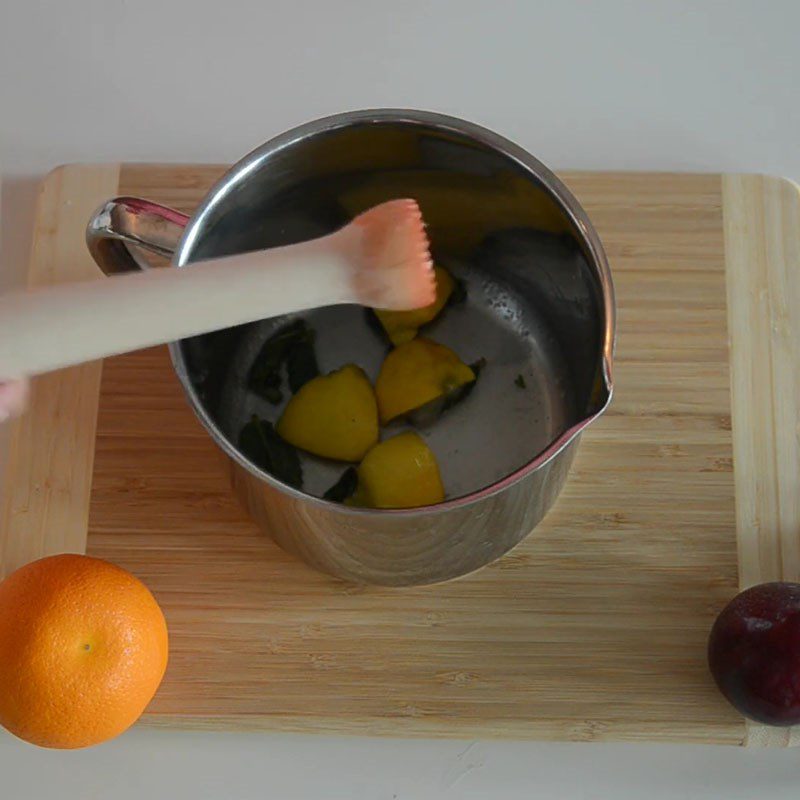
(520, 381)
(477, 367)
(344, 487)
(374, 324)
(464, 391)
(271, 395)
(459, 293)
(301, 364)
(265, 375)
(262, 445)
(426, 415)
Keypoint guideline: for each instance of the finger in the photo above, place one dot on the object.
(13, 398)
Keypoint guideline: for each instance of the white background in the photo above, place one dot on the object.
(604, 85)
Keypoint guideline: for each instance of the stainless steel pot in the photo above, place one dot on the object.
(539, 307)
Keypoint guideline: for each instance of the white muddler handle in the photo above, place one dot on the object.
(49, 328)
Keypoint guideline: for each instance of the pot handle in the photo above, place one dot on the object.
(131, 221)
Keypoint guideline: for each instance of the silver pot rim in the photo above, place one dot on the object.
(445, 123)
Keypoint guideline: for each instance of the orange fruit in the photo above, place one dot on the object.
(83, 648)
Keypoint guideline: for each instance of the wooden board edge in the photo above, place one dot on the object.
(423, 727)
(44, 494)
(761, 221)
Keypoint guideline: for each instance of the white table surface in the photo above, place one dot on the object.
(599, 85)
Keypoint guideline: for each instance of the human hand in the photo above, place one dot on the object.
(13, 398)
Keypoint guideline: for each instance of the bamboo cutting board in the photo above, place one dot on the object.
(594, 628)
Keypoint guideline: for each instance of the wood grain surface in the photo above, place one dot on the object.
(762, 245)
(48, 474)
(594, 628)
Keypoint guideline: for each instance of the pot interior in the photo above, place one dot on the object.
(532, 309)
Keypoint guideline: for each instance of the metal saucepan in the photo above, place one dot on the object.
(539, 308)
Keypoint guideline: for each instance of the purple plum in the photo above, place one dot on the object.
(754, 653)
